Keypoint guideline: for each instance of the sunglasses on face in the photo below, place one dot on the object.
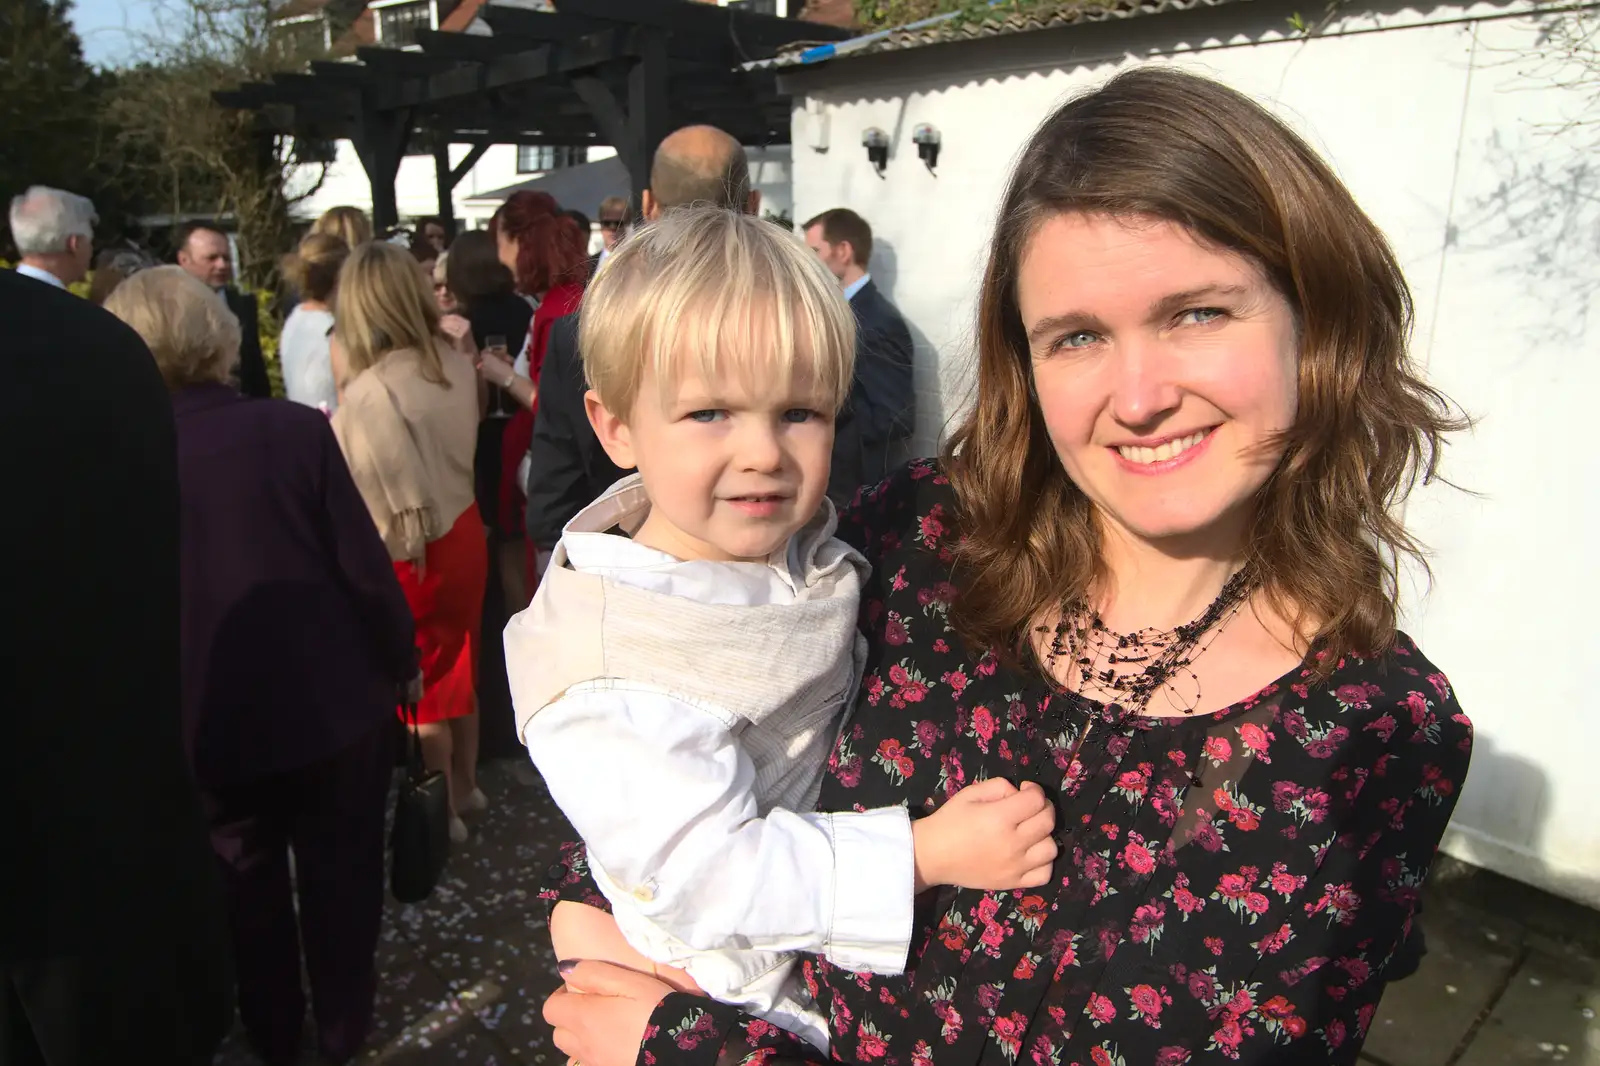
(611, 223)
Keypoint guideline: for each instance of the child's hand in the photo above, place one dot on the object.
(990, 836)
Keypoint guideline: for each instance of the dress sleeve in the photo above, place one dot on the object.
(689, 1030)
(1315, 982)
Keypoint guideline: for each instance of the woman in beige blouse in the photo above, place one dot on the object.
(408, 425)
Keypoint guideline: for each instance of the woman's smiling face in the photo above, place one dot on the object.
(1165, 369)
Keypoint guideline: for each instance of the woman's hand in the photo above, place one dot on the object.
(459, 330)
(601, 1014)
(495, 370)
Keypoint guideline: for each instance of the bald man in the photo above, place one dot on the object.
(700, 165)
(567, 468)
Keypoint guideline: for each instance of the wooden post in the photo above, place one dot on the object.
(442, 182)
(380, 142)
(649, 109)
(635, 130)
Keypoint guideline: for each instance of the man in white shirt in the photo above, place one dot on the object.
(54, 232)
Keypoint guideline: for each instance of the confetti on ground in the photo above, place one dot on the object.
(463, 975)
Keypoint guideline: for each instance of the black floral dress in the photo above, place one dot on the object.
(1231, 886)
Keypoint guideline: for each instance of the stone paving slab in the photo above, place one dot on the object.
(1427, 1017)
(1547, 1014)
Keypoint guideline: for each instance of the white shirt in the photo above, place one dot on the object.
(305, 352)
(30, 271)
(856, 286)
(663, 795)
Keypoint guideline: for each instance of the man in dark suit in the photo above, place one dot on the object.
(203, 252)
(881, 411)
(568, 468)
(113, 935)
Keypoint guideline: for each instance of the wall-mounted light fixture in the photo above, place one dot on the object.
(876, 142)
(817, 120)
(926, 138)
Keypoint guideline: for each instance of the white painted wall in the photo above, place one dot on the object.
(1441, 128)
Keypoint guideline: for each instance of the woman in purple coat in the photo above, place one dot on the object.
(296, 640)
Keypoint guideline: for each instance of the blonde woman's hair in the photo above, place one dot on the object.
(349, 224)
(718, 292)
(313, 268)
(384, 306)
(190, 331)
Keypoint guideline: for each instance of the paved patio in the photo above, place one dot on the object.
(1511, 976)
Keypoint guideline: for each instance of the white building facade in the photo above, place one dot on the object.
(1449, 133)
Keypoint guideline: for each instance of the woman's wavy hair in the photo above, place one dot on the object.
(1325, 544)
(313, 268)
(349, 224)
(385, 306)
(473, 272)
(191, 333)
(550, 249)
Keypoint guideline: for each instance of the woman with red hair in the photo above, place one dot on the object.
(548, 254)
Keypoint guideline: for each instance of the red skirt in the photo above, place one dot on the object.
(447, 603)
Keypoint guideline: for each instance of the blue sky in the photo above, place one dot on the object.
(103, 25)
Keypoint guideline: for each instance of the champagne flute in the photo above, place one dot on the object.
(495, 344)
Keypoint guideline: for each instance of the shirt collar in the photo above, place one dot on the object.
(587, 544)
(40, 275)
(856, 286)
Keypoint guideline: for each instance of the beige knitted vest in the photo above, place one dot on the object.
(787, 673)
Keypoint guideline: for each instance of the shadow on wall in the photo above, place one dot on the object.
(930, 427)
(1549, 209)
(1501, 823)
(885, 266)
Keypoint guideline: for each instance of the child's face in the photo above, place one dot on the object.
(731, 475)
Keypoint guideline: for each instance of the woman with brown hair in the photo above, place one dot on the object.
(407, 423)
(486, 296)
(1155, 572)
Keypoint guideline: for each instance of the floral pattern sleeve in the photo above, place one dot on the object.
(568, 881)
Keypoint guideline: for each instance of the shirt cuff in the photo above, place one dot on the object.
(569, 880)
(874, 885)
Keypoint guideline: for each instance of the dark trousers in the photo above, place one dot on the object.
(331, 814)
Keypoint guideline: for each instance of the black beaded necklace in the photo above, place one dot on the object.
(1130, 668)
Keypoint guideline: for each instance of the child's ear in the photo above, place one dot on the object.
(611, 430)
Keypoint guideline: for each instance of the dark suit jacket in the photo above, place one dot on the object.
(252, 365)
(567, 467)
(112, 930)
(881, 411)
(295, 631)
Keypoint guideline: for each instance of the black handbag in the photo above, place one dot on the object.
(420, 839)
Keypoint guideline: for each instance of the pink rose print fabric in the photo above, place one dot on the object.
(1231, 886)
